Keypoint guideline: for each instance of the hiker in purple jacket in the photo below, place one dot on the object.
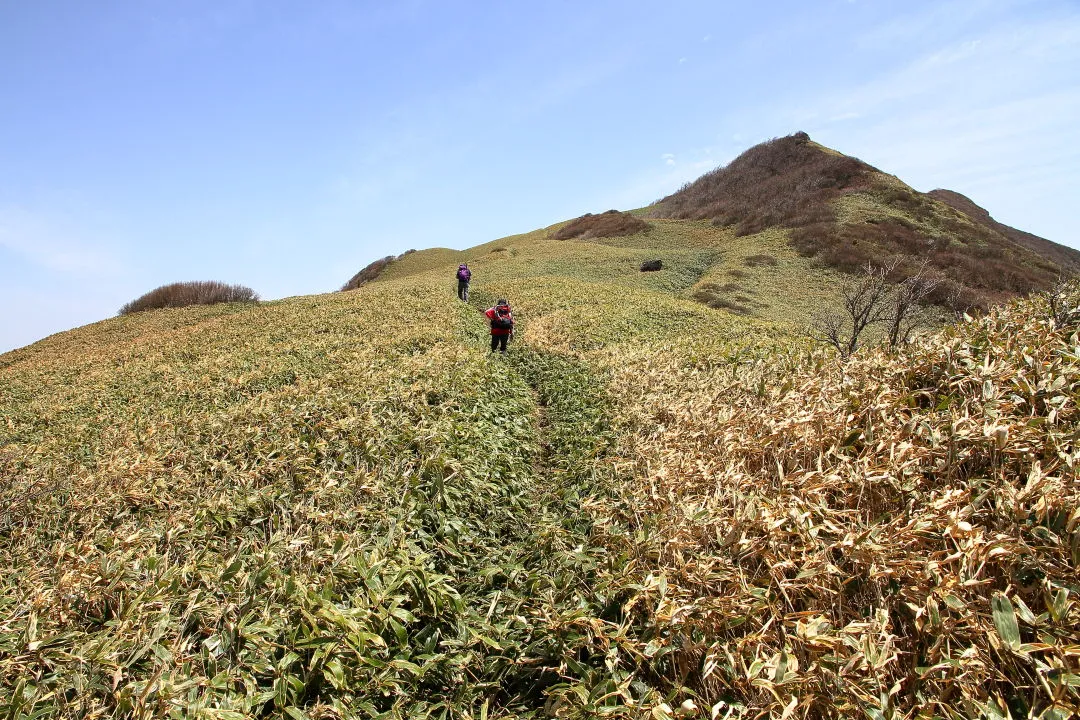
(464, 275)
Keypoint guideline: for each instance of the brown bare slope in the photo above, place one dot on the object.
(847, 213)
(786, 181)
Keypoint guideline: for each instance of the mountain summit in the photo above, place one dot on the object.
(847, 213)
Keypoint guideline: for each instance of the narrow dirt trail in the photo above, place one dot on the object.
(541, 421)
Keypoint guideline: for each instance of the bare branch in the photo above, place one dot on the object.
(904, 299)
(863, 303)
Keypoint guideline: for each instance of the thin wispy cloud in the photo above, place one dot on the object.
(562, 86)
(648, 187)
(53, 245)
(933, 23)
(968, 113)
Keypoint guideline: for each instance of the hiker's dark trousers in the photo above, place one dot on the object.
(499, 342)
(463, 290)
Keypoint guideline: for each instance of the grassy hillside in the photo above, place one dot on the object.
(341, 506)
(337, 504)
(663, 502)
(759, 275)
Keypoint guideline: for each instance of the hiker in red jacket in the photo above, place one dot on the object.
(502, 324)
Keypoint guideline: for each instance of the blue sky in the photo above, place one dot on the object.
(284, 145)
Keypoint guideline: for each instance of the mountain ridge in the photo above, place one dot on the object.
(839, 212)
(1068, 258)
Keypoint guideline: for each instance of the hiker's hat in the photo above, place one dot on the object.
(502, 301)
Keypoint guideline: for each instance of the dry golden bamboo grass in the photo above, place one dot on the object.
(894, 537)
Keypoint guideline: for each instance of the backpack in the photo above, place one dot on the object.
(464, 274)
(503, 320)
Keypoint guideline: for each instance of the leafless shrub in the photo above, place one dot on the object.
(872, 298)
(955, 298)
(609, 224)
(182, 294)
(369, 273)
(864, 302)
(901, 318)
